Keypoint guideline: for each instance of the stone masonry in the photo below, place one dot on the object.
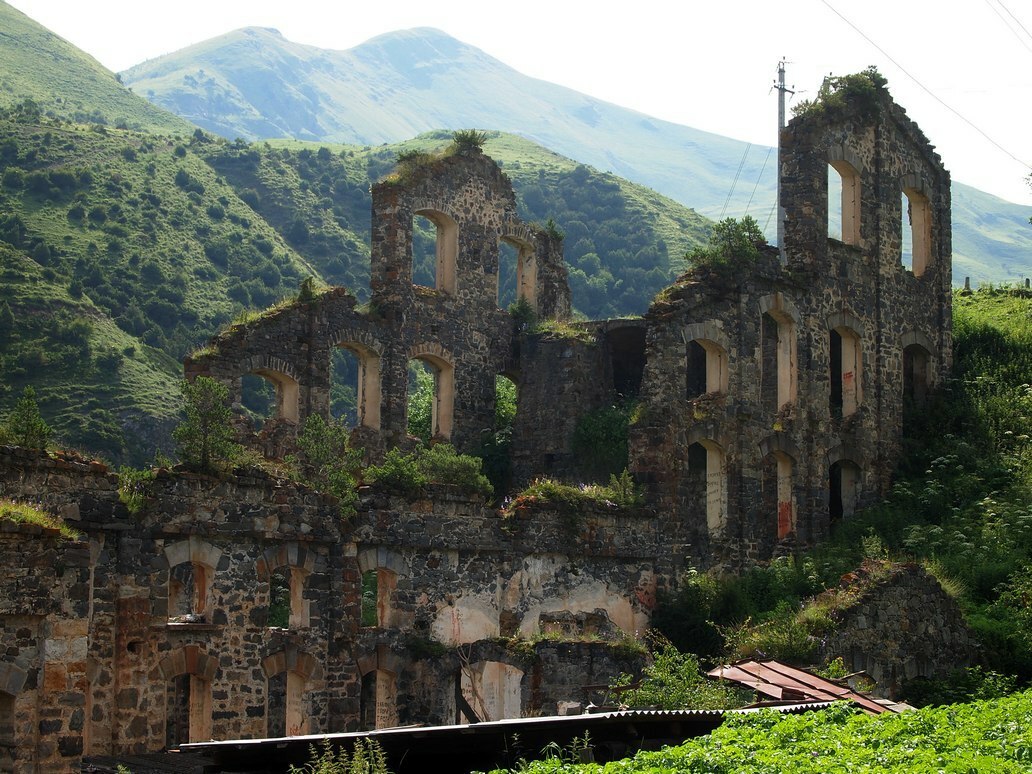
(772, 400)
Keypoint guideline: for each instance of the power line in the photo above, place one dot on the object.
(1007, 24)
(925, 88)
(1016, 19)
(734, 182)
(758, 177)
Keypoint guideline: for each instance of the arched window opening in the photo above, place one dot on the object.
(843, 202)
(431, 397)
(187, 710)
(706, 365)
(378, 587)
(286, 389)
(916, 250)
(845, 365)
(517, 272)
(777, 362)
(706, 464)
(916, 374)
(257, 399)
(844, 490)
(8, 747)
(435, 247)
(379, 700)
(285, 705)
(355, 386)
(189, 592)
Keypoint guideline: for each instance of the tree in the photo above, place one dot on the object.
(205, 439)
(731, 241)
(24, 425)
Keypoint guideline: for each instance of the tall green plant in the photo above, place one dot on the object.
(25, 426)
(204, 440)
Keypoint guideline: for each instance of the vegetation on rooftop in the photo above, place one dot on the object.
(860, 91)
(22, 513)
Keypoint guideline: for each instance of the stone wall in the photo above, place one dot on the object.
(774, 393)
(904, 627)
(156, 627)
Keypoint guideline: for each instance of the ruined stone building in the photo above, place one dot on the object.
(771, 405)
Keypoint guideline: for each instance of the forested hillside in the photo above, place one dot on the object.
(128, 250)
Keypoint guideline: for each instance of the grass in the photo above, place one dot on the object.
(20, 513)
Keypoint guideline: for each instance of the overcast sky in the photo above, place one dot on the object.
(708, 65)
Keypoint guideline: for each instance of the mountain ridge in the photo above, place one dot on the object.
(403, 83)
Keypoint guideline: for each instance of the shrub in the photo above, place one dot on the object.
(398, 473)
(674, 681)
(407, 474)
(132, 487)
(441, 464)
(25, 426)
(204, 439)
(327, 461)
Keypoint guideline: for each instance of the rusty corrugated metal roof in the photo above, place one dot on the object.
(787, 683)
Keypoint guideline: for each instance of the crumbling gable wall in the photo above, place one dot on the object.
(455, 327)
(774, 393)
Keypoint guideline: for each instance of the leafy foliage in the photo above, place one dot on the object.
(24, 426)
(621, 492)
(407, 474)
(733, 244)
(673, 680)
(367, 757)
(837, 93)
(600, 440)
(327, 461)
(981, 736)
(205, 438)
(132, 487)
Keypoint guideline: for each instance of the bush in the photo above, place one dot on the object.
(327, 461)
(407, 474)
(24, 426)
(204, 439)
(367, 757)
(674, 681)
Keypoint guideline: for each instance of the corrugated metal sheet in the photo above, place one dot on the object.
(787, 683)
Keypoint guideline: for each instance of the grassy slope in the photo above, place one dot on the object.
(255, 84)
(64, 81)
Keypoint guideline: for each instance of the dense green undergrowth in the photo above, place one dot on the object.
(977, 737)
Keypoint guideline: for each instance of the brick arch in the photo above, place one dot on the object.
(848, 320)
(918, 193)
(846, 335)
(380, 658)
(778, 443)
(187, 660)
(193, 550)
(293, 659)
(284, 377)
(845, 453)
(381, 557)
(291, 554)
(707, 362)
(839, 152)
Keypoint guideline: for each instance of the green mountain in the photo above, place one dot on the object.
(255, 84)
(37, 65)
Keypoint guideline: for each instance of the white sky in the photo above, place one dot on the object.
(709, 65)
